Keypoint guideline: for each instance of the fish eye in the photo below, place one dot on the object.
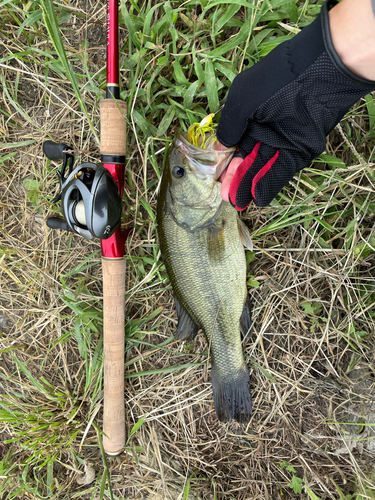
(178, 172)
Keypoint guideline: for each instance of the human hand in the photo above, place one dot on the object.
(227, 176)
(279, 112)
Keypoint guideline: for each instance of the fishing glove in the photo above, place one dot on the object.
(280, 111)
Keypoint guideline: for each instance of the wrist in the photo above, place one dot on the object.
(352, 27)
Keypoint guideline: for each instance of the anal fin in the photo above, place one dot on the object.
(245, 320)
(187, 328)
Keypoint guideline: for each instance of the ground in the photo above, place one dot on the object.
(311, 275)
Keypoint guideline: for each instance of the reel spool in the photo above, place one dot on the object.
(90, 200)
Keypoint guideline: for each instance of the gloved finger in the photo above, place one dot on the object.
(268, 182)
(265, 187)
(239, 193)
(227, 176)
(243, 186)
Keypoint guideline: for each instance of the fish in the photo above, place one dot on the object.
(200, 238)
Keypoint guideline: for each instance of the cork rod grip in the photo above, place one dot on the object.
(114, 344)
(112, 127)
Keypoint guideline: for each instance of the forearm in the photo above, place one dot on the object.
(352, 25)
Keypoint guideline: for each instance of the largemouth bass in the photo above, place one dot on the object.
(200, 241)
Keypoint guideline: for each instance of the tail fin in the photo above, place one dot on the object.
(232, 396)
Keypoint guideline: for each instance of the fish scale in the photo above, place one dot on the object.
(206, 264)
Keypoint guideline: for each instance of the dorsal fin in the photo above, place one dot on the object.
(187, 328)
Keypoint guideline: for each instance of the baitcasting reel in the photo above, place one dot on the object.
(90, 200)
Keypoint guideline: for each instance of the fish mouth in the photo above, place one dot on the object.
(207, 162)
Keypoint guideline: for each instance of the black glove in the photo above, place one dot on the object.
(280, 111)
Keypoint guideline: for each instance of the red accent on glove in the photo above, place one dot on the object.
(239, 175)
(262, 172)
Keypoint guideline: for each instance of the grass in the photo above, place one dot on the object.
(311, 275)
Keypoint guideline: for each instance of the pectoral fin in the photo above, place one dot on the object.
(244, 235)
(187, 328)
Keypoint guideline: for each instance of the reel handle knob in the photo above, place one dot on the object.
(55, 151)
(57, 223)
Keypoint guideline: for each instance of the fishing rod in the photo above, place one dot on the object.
(90, 197)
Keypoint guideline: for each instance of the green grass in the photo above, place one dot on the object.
(313, 266)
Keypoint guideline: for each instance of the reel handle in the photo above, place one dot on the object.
(55, 151)
(57, 223)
